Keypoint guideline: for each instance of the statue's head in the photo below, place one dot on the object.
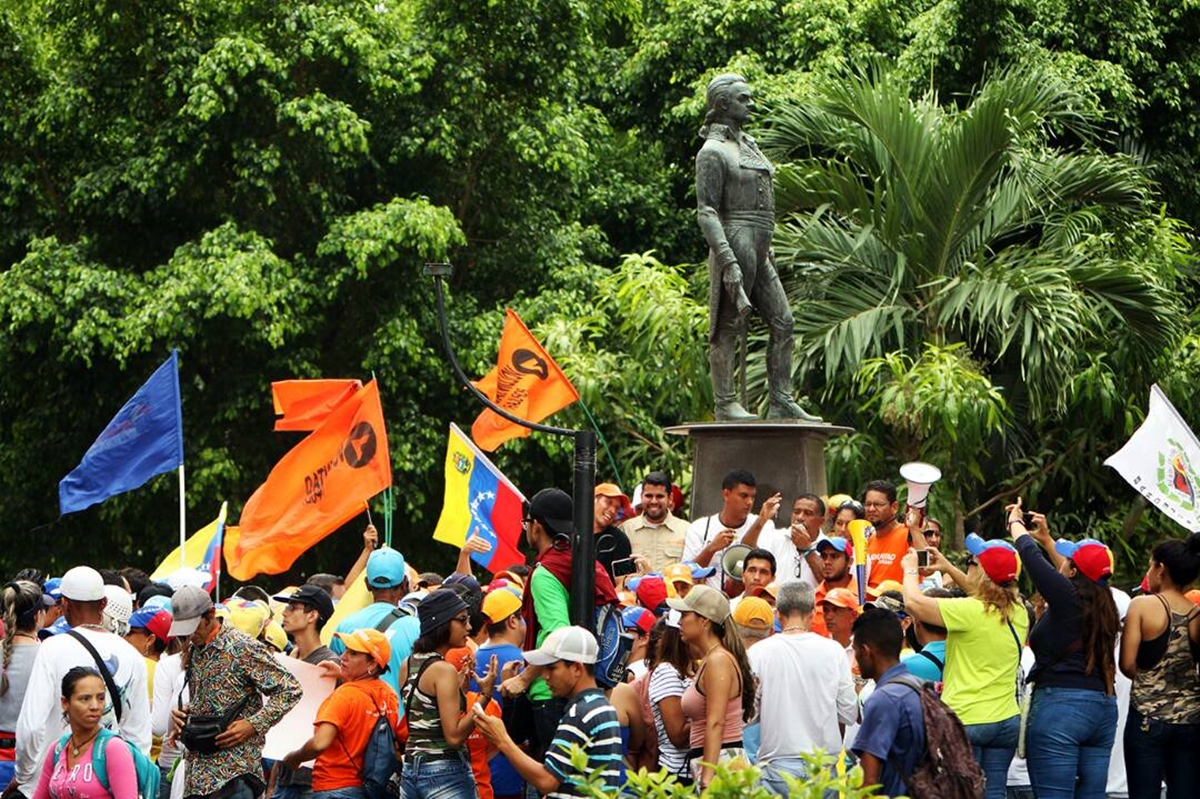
(728, 99)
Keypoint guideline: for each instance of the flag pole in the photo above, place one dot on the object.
(182, 521)
(583, 580)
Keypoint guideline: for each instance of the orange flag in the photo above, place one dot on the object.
(526, 382)
(321, 484)
(304, 404)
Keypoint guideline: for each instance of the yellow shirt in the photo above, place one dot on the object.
(982, 660)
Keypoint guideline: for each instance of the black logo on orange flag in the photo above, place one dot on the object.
(360, 445)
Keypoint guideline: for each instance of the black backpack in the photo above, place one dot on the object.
(948, 769)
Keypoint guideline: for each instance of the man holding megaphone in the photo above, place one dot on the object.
(708, 537)
(892, 538)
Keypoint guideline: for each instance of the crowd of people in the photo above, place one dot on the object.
(747, 644)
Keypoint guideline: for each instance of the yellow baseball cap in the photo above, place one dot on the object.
(755, 613)
(678, 573)
(500, 603)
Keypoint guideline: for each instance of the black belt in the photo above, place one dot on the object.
(447, 755)
(699, 751)
(8, 742)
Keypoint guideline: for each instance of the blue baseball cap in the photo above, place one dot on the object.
(842, 545)
(385, 568)
(700, 572)
(52, 587)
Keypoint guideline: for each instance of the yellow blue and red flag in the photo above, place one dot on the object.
(202, 552)
(480, 501)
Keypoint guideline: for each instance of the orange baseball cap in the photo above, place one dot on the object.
(613, 491)
(842, 598)
(369, 642)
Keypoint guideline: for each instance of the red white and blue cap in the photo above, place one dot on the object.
(998, 559)
(1091, 557)
(638, 617)
(840, 544)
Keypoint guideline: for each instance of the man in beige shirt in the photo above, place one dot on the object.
(657, 535)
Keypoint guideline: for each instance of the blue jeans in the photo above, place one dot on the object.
(994, 745)
(772, 773)
(295, 791)
(338, 793)
(449, 778)
(1069, 741)
(1156, 750)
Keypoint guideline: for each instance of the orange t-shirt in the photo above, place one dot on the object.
(884, 552)
(818, 619)
(352, 708)
(477, 748)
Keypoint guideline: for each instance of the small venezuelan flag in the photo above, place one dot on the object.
(479, 501)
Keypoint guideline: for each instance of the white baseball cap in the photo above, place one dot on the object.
(573, 644)
(82, 584)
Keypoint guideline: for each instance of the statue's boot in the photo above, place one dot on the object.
(779, 377)
(720, 364)
(784, 407)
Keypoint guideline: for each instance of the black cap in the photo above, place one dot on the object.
(312, 596)
(554, 509)
(437, 609)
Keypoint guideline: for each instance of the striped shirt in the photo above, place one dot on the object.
(590, 723)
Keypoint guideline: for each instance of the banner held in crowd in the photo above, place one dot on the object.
(321, 484)
(1161, 460)
(143, 440)
(481, 501)
(201, 552)
(526, 382)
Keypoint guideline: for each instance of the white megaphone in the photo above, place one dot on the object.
(919, 476)
(734, 560)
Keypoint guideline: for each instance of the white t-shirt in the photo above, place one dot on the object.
(705, 529)
(41, 723)
(805, 690)
(788, 560)
(665, 682)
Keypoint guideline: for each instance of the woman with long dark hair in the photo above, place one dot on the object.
(1073, 712)
(721, 698)
(670, 669)
(1160, 648)
(24, 611)
(435, 760)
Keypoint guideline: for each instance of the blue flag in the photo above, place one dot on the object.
(144, 439)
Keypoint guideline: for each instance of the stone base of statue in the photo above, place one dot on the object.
(784, 456)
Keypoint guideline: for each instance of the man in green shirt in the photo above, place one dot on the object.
(546, 607)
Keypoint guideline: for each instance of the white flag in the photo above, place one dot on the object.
(1161, 459)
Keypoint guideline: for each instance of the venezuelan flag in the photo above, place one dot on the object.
(481, 501)
(201, 552)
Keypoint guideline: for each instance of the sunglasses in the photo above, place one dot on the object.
(464, 619)
(971, 562)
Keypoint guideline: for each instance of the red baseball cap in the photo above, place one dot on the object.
(1090, 556)
(998, 559)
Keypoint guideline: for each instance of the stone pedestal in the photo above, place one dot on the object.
(784, 456)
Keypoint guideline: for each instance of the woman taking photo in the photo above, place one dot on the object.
(721, 698)
(347, 718)
(1073, 711)
(24, 611)
(67, 772)
(983, 650)
(1159, 651)
(436, 763)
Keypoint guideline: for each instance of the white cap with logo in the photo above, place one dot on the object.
(573, 644)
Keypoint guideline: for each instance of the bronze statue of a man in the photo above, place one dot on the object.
(735, 199)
